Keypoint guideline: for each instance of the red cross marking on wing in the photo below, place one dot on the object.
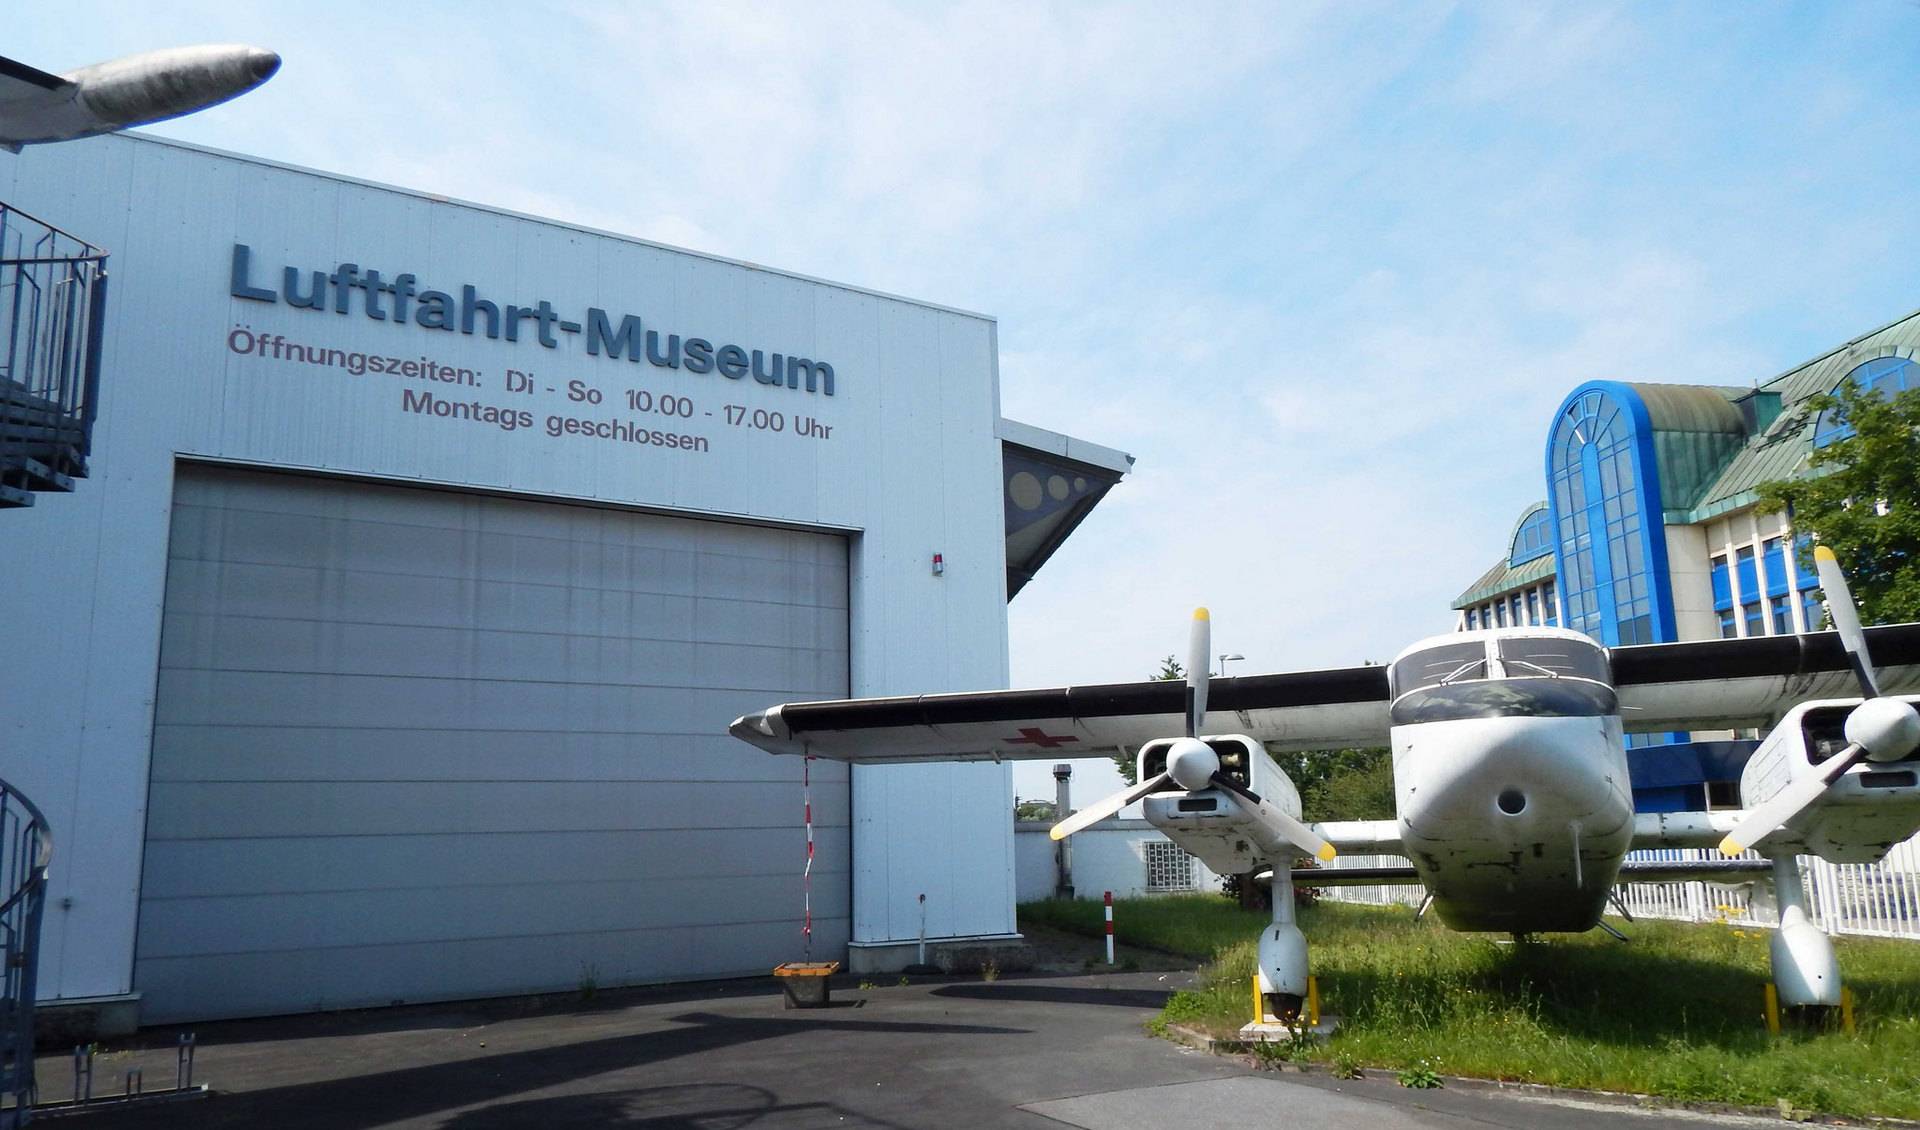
(1031, 736)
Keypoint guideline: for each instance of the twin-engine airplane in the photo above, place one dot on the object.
(1510, 773)
(138, 90)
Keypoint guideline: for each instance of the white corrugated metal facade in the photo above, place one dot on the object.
(438, 711)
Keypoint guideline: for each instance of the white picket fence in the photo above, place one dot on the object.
(1878, 899)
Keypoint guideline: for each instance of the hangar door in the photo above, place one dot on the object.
(415, 744)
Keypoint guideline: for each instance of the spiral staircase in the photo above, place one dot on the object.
(53, 290)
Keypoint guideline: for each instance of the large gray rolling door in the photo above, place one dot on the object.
(416, 744)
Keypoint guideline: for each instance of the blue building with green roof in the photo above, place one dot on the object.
(1651, 532)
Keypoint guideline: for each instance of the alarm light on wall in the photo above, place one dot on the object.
(939, 564)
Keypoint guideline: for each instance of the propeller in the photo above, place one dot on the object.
(1881, 729)
(1193, 765)
(1199, 640)
(1107, 807)
(1294, 831)
(1199, 654)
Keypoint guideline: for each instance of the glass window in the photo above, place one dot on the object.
(1533, 539)
(1541, 658)
(1773, 559)
(1812, 610)
(1542, 678)
(1756, 619)
(1536, 697)
(1514, 616)
(1606, 551)
(1500, 613)
(1884, 375)
(1548, 598)
(1722, 585)
(1473, 619)
(1533, 606)
(1437, 665)
(1803, 561)
(1743, 573)
(1782, 616)
(1727, 630)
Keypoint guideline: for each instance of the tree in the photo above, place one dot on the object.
(1342, 784)
(1033, 810)
(1862, 499)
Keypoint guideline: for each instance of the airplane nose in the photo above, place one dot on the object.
(262, 65)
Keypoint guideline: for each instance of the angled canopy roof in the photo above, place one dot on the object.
(1050, 483)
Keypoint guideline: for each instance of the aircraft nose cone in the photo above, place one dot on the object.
(262, 65)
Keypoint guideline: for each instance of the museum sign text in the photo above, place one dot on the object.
(400, 298)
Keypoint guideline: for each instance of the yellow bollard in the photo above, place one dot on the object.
(1773, 1009)
(1259, 1006)
(1313, 1002)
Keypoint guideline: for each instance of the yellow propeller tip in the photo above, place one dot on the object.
(1822, 553)
(1327, 853)
(1200, 614)
(1055, 834)
(1729, 848)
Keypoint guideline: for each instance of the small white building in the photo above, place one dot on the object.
(1130, 858)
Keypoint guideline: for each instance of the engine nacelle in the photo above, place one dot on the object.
(1215, 826)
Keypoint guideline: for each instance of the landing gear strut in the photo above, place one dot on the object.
(1281, 982)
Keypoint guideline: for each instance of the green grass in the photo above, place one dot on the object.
(1676, 1013)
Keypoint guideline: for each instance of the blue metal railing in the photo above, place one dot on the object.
(26, 847)
(52, 312)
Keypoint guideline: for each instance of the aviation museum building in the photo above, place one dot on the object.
(1651, 531)
(387, 651)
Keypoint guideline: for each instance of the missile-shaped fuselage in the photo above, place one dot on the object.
(36, 107)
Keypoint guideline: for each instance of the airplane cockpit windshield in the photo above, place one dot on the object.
(1502, 677)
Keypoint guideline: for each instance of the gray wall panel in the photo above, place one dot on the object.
(265, 753)
(229, 810)
(416, 745)
(354, 919)
(268, 644)
(261, 983)
(192, 869)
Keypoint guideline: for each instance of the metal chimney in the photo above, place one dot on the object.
(1063, 850)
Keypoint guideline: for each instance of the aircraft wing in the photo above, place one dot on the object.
(1301, 710)
(17, 81)
(1631, 871)
(1733, 684)
(1709, 684)
(29, 98)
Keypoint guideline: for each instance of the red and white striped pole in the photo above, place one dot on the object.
(1109, 927)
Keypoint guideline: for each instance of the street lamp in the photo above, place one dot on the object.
(1225, 659)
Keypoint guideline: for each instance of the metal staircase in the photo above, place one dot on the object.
(53, 292)
(26, 847)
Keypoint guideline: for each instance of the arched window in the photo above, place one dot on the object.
(1884, 375)
(1606, 518)
(1533, 539)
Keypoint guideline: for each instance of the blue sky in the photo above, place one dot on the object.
(1325, 269)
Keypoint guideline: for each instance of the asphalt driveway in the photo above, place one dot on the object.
(1039, 1052)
